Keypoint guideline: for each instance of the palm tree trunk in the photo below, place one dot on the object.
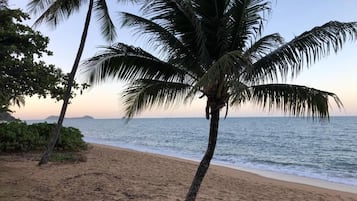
(67, 95)
(203, 167)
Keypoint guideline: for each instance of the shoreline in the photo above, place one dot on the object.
(331, 172)
(298, 179)
(113, 173)
(319, 183)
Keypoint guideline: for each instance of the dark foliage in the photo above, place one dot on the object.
(18, 136)
(22, 73)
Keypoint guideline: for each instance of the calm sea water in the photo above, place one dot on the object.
(301, 147)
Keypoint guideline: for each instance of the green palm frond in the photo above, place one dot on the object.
(54, 11)
(165, 39)
(36, 6)
(230, 64)
(213, 21)
(239, 92)
(179, 16)
(263, 46)
(305, 50)
(146, 93)
(103, 16)
(247, 19)
(127, 63)
(258, 50)
(211, 8)
(294, 99)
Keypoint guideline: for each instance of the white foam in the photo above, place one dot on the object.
(297, 179)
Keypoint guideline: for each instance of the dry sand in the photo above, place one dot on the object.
(119, 174)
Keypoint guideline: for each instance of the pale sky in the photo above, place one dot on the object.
(336, 73)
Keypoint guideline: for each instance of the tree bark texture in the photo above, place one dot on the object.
(55, 135)
(205, 162)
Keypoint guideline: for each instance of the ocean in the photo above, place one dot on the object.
(324, 150)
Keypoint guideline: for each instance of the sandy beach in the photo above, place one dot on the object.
(112, 173)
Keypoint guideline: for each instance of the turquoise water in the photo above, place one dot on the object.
(301, 147)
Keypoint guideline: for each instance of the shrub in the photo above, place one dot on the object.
(71, 139)
(18, 136)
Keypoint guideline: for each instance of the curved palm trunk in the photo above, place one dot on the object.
(203, 167)
(67, 94)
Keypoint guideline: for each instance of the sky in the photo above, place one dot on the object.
(336, 73)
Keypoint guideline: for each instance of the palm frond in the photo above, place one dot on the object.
(209, 9)
(230, 64)
(179, 16)
(258, 50)
(240, 93)
(247, 19)
(166, 41)
(36, 6)
(146, 93)
(157, 34)
(213, 22)
(54, 11)
(103, 16)
(127, 63)
(294, 99)
(305, 50)
(264, 46)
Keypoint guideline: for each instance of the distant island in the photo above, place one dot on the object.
(53, 117)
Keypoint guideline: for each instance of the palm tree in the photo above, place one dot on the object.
(53, 12)
(215, 49)
(6, 102)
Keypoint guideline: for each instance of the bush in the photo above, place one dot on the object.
(18, 136)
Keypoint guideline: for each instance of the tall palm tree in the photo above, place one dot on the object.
(214, 49)
(53, 12)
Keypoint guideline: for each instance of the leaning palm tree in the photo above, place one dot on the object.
(214, 49)
(53, 12)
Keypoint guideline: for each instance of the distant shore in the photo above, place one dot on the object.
(112, 173)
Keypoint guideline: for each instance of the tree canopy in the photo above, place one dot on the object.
(22, 73)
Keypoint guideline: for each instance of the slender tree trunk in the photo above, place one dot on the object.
(203, 167)
(67, 95)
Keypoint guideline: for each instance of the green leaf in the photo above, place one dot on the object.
(103, 16)
(146, 93)
(304, 50)
(127, 63)
(294, 99)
